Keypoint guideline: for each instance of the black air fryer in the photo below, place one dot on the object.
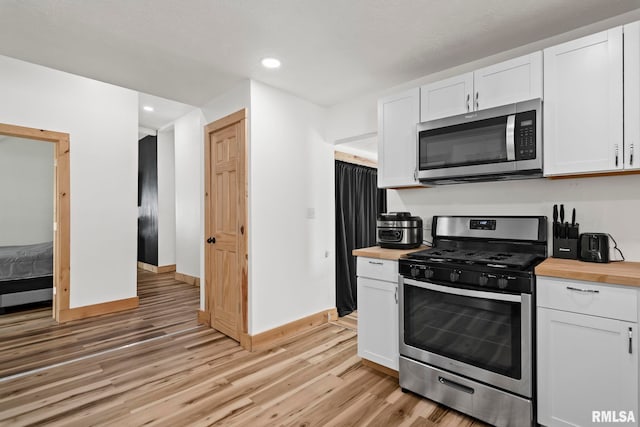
(399, 230)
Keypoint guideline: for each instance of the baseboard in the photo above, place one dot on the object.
(166, 268)
(98, 309)
(204, 318)
(195, 281)
(273, 337)
(380, 368)
(156, 269)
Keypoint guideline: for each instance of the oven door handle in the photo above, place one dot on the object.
(464, 292)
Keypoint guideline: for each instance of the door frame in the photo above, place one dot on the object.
(232, 119)
(61, 209)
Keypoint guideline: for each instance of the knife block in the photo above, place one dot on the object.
(565, 248)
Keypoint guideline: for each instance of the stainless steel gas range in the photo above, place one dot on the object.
(467, 308)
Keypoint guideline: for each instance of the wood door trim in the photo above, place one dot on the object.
(226, 121)
(62, 210)
(237, 117)
(356, 160)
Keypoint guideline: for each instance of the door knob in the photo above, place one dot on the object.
(211, 240)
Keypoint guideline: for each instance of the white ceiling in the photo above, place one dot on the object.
(164, 111)
(331, 50)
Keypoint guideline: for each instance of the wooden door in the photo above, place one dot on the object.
(225, 225)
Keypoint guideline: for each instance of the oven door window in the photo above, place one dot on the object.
(481, 332)
(467, 144)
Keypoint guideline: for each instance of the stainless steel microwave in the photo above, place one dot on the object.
(488, 145)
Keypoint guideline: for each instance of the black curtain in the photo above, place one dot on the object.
(358, 201)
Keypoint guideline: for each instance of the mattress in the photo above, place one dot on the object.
(24, 262)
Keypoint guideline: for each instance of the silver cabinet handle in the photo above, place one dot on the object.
(586, 291)
(616, 155)
(631, 155)
(376, 262)
(396, 296)
(630, 341)
(477, 102)
(468, 104)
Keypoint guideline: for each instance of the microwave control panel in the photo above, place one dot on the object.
(525, 135)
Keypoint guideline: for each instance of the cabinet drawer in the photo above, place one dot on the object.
(381, 269)
(614, 302)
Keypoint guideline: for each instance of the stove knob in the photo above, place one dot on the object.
(502, 282)
(454, 276)
(415, 271)
(428, 273)
(482, 281)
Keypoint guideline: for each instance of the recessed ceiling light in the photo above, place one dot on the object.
(147, 108)
(270, 63)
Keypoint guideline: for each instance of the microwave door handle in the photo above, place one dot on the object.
(510, 134)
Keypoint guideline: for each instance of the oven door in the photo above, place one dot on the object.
(486, 336)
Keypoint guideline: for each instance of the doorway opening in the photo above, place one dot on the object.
(61, 210)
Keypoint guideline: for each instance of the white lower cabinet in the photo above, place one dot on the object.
(587, 364)
(378, 312)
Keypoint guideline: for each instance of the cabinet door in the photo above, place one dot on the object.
(398, 116)
(583, 105)
(585, 363)
(632, 96)
(378, 322)
(518, 79)
(446, 97)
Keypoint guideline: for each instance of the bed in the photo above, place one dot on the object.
(26, 274)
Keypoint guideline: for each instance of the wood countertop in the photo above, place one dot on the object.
(383, 253)
(617, 273)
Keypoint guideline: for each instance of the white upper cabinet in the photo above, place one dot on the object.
(445, 98)
(583, 105)
(632, 96)
(398, 116)
(515, 80)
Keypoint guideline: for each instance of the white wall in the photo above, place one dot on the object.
(605, 204)
(166, 198)
(292, 273)
(26, 191)
(233, 100)
(102, 121)
(188, 188)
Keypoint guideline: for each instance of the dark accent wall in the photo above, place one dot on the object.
(148, 200)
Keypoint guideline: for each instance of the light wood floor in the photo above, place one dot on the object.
(200, 377)
(32, 339)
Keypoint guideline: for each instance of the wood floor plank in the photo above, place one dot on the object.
(173, 373)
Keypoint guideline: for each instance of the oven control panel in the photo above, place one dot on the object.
(482, 224)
